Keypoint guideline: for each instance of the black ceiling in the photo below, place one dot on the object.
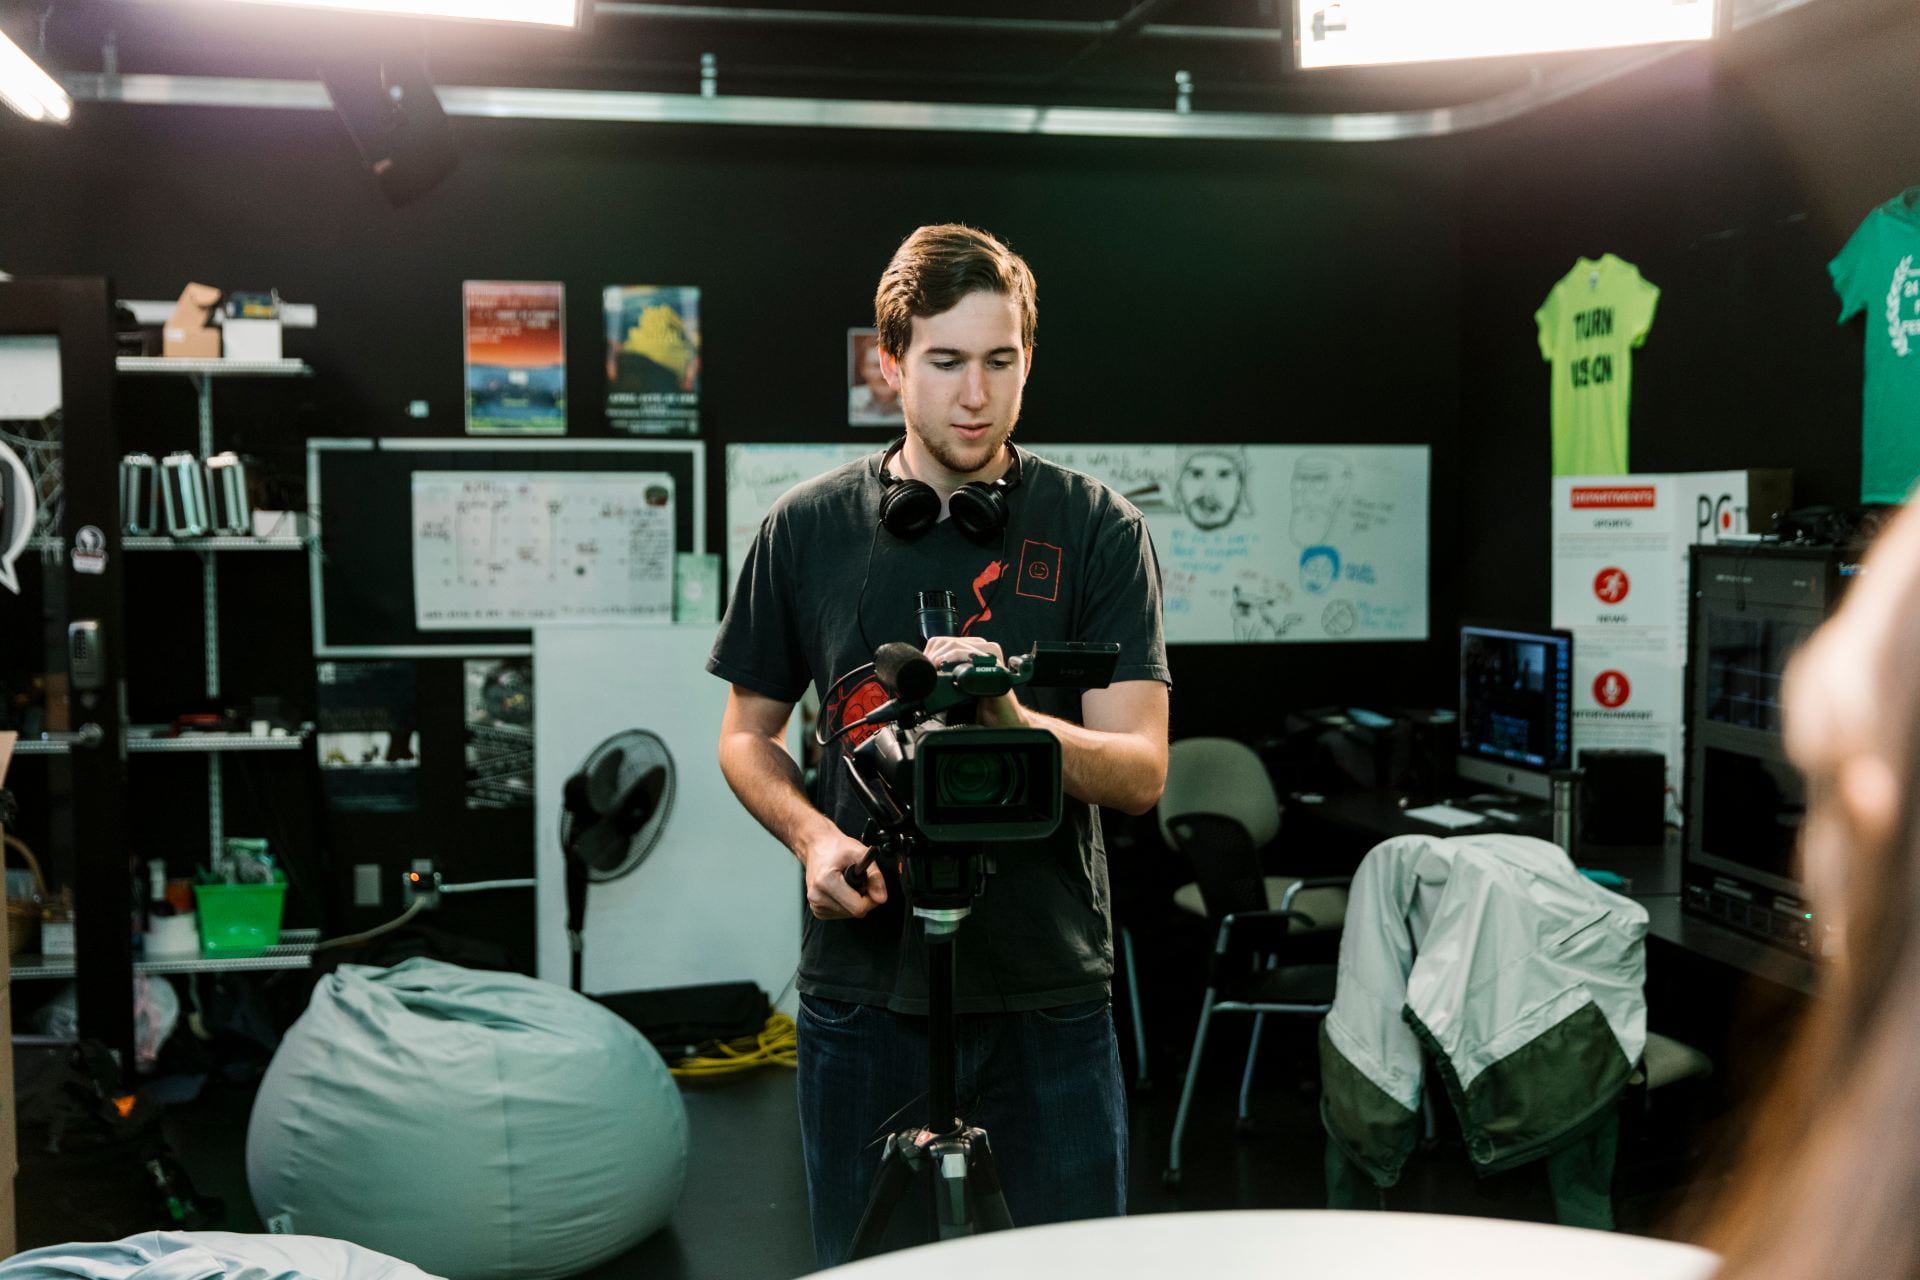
(1109, 53)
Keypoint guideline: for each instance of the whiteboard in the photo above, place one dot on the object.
(1278, 543)
(757, 474)
(718, 899)
(1258, 543)
(494, 549)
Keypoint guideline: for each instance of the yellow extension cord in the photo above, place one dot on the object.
(775, 1046)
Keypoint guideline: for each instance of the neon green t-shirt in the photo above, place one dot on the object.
(1879, 273)
(1589, 324)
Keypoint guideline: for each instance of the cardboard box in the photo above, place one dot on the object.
(186, 334)
(251, 339)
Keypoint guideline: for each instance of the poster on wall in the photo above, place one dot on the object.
(653, 359)
(870, 401)
(516, 357)
(499, 731)
(369, 737)
(494, 549)
(1257, 543)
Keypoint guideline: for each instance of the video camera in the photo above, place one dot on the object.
(959, 784)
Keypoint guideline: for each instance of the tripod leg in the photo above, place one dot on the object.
(897, 1167)
(983, 1180)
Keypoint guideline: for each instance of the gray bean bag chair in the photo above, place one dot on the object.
(485, 1126)
(208, 1255)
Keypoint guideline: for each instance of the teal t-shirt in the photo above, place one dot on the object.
(1588, 326)
(1879, 273)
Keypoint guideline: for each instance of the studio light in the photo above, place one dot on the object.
(1367, 32)
(29, 90)
(541, 13)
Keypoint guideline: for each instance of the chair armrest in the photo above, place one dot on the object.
(1248, 934)
(1313, 882)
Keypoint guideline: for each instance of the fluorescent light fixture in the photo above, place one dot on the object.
(1366, 32)
(542, 13)
(29, 90)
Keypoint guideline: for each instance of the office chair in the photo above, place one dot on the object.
(1219, 809)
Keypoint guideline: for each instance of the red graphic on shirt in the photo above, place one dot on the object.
(1611, 689)
(1039, 571)
(863, 699)
(1611, 585)
(984, 579)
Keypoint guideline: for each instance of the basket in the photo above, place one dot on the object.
(23, 914)
(238, 920)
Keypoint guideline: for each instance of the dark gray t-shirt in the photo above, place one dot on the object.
(1074, 563)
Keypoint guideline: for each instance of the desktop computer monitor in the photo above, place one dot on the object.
(1516, 707)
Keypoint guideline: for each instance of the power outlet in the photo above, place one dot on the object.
(366, 884)
(420, 882)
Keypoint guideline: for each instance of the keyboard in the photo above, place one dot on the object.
(1448, 816)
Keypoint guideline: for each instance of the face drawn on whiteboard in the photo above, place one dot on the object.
(1321, 482)
(1211, 487)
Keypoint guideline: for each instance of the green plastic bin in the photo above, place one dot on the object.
(239, 919)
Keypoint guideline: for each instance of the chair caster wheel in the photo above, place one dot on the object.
(1171, 1178)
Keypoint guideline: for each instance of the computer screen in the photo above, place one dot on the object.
(1516, 706)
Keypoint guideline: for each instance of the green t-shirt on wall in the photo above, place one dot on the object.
(1878, 273)
(1589, 324)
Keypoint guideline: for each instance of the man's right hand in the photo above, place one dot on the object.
(829, 896)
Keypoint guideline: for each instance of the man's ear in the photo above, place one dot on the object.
(889, 368)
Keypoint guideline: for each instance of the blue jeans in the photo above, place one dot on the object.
(1045, 1085)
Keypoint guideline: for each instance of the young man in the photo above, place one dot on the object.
(831, 576)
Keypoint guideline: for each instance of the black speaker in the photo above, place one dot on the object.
(394, 117)
(1624, 797)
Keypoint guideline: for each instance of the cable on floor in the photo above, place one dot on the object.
(777, 1045)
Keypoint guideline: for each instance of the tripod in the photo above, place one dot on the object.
(967, 1194)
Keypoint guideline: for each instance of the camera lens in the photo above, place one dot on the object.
(978, 780)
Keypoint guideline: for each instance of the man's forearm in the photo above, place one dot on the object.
(1121, 771)
(767, 782)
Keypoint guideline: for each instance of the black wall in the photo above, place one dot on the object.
(1242, 292)
(1252, 293)
(1730, 178)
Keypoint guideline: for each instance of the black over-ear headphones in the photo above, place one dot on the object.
(979, 509)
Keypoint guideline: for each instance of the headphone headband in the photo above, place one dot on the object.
(909, 507)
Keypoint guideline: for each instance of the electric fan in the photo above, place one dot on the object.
(613, 810)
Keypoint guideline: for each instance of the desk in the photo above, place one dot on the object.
(1271, 1242)
(1339, 829)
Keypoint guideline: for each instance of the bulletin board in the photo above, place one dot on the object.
(450, 547)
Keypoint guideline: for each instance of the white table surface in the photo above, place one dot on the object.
(1320, 1244)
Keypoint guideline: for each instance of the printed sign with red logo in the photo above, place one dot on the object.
(1611, 584)
(1620, 556)
(1039, 571)
(1614, 497)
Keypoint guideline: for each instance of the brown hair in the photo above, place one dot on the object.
(935, 267)
(1829, 1183)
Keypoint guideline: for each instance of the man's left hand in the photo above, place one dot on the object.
(1003, 712)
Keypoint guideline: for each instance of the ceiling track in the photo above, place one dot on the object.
(932, 24)
(492, 102)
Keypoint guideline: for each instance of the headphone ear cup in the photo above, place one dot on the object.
(979, 510)
(909, 508)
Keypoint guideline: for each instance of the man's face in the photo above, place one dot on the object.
(1208, 489)
(960, 382)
